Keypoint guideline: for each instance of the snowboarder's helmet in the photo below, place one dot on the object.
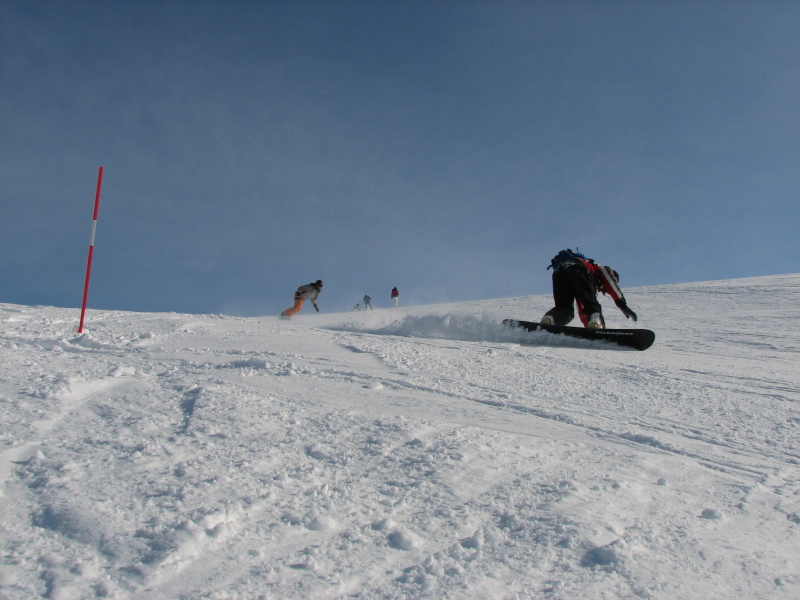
(318, 283)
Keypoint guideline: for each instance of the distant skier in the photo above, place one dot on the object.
(367, 302)
(395, 296)
(303, 293)
(578, 279)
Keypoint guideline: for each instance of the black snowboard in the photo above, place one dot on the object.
(641, 339)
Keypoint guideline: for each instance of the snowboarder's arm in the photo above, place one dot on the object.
(610, 287)
(623, 306)
(608, 283)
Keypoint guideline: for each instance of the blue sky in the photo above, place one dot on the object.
(448, 148)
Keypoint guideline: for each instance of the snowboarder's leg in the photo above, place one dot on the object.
(562, 313)
(298, 304)
(582, 285)
(594, 320)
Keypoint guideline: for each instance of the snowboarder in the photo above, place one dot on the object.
(395, 295)
(367, 302)
(303, 293)
(578, 279)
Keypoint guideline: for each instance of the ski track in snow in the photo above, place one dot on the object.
(424, 452)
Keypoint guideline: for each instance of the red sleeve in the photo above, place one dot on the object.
(608, 284)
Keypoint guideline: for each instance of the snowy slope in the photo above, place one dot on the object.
(424, 452)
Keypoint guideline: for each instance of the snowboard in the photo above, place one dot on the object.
(640, 339)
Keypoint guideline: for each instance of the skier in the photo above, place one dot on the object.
(395, 296)
(303, 293)
(367, 302)
(578, 279)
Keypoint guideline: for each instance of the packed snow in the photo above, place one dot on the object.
(402, 453)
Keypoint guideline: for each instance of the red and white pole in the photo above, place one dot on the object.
(91, 248)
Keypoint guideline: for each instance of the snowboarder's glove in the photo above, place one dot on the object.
(316, 308)
(623, 306)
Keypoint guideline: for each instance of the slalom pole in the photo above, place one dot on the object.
(91, 249)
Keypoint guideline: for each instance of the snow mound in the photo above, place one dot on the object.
(423, 452)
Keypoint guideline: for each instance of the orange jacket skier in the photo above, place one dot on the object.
(303, 293)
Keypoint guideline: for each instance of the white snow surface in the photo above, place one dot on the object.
(424, 452)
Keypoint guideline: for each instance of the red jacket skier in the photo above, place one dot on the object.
(578, 279)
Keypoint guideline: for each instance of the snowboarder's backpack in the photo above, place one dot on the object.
(566, 255)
